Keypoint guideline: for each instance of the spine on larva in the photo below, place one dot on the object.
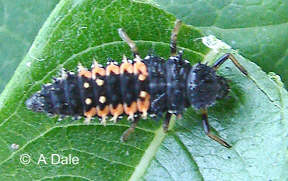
(102, 91)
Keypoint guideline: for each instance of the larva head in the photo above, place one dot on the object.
(36, 102)
(204, 86)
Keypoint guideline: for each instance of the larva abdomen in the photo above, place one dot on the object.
(102, 91)
(139, 87)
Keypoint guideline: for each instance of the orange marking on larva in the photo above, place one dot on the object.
(92, 112)
(141, 69)
(143, 104)
(126, 67)
(116, 111)
(103, 112)
(98, 71)
(85, 73)
(112, 68)
(130, 110)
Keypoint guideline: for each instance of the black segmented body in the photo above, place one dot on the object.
(172, 85)
(175, 85)
(167, 83)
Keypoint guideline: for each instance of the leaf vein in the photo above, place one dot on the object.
(59, 176)
(186, 151)
(103, 158)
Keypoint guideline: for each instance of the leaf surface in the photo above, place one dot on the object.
(20, 21)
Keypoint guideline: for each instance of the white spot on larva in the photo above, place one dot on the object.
(28, 64)
(102, 99)
(147, 57)
(141, 77)
(80, 67)
(88, 101)
(87, 121)
(94, 64)
(86, 85)
(103, 121)
(99, 82)
(143, 94)
(214, 43)
(172, 111)
(131, 117)
(173, 58)
(14, 146)
(144, 115)
(137, 58)
(64, 74)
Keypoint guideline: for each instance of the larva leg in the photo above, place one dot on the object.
(227, 56)
(166, 121)
(130, 42)
(130, 130)
(173, 39)
(207, 130)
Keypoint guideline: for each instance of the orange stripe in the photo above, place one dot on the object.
(130, 110)
(141, 69)
(85, 73)
(117, 111)
(103, 112)
(98, 71)
(112, 68)
(126, 67)
(92, 112)
(143, 104)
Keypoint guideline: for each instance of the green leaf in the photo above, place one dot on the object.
(253, 119)
(20, 21)
(259, 29)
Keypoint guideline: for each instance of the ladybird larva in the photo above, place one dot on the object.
(137, 88)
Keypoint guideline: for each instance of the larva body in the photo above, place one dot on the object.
(150, 86)
(137, 88)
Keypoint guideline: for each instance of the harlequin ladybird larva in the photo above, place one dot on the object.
(149, 86)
